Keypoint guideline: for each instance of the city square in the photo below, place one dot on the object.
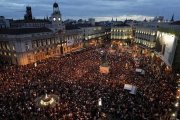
(80, 89)
(106, 64)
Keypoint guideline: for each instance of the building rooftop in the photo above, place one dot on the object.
(176, 23)
(71, 27)
(24, 31)
(122, 25)
(55, 5)
(32, 21)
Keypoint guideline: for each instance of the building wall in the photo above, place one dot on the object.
(25, 49)
(92, 32)
(145, 36)
(7, 52)
(176, 62)
(29, 48)
(73, 40)
(4, 23)
(168, 42)
(121, 33)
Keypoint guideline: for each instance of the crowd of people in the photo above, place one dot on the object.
(76, 79)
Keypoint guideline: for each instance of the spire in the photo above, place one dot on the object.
(172, 19)
(112, 19)
(125, 21)
(145, 20)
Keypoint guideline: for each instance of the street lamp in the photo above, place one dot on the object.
(99, 102)
(35, 64)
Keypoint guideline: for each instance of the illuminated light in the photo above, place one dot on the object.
(173, 114)
(59, 19)
(54, 19)
(179, 90)
(177, 104)
(177, 97)
(178, 74)
(100, 102)
(35, 64)
(47, 103)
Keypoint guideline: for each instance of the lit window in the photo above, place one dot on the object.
(7, 46)
(13, 47)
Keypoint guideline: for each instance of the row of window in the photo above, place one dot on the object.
(39, 43)
(72, 37)
(6, 46)
(42, 42)
(121, 31)
(139, 34)
(146, 43)
(120, 37)
(144, 36)
(118, 34)
(147, 37)
(7, 54)
(143, 32)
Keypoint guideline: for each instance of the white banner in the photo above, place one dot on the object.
(127, 87)
(132, 89)
(138, 70)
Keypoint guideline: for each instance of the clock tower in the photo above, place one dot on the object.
(56, 16)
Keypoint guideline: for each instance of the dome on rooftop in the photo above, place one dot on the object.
(55, 5)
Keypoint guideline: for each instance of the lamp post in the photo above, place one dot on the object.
(99, 106)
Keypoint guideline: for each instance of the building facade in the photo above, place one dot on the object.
(145, 36)
(93, 36)
(168, 44)
(4, 23)
(27, 45)
(73, 39)
(121, 33)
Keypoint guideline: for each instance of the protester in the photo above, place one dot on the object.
(79, 84)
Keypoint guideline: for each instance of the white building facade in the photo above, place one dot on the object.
(146, 36)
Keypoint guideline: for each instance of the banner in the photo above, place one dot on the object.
(132, 89)
(127, 87)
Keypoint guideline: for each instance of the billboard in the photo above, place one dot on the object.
(168, 42)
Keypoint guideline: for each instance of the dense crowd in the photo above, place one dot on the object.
(76, 79)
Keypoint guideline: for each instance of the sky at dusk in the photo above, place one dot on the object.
(98, 9)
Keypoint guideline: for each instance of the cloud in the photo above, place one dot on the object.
(124, 17)
(92, 8)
